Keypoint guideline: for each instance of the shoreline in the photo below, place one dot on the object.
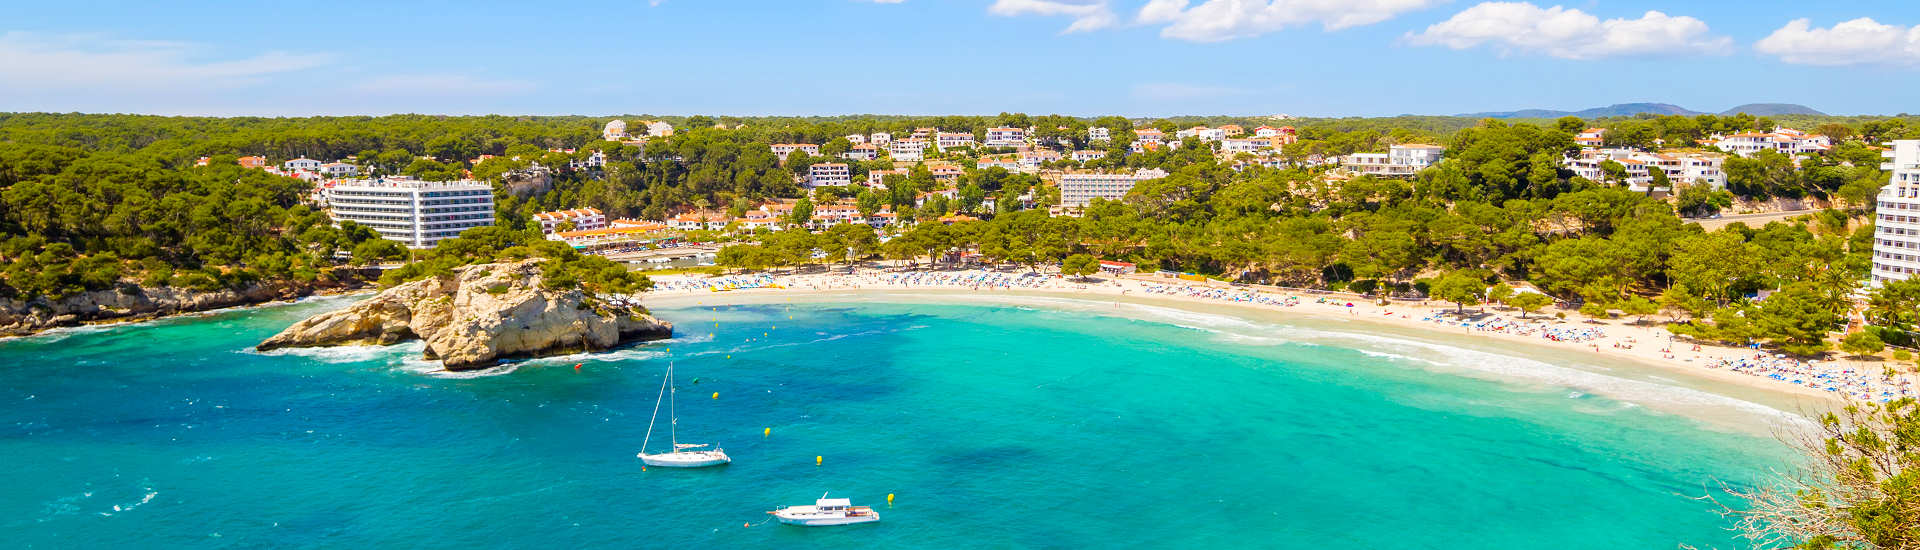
(150, 317)
(1617, 339)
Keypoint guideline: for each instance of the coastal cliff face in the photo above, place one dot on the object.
(479, 314)
(131, 303)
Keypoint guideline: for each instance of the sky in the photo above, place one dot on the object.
(933, 57)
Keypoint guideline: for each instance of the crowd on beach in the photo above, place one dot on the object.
(1828, 376)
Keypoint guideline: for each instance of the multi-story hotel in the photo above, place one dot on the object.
(1078, 190)
(1399, 160)
(827, 174)
(1896, 227)
(416, 213)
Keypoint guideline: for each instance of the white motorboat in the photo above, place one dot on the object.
(826, 511)
(683, 455)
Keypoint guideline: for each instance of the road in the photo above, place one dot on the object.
(1754, 220)
(677, 252)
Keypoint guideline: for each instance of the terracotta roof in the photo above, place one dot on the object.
(565, 214)
(611, 231)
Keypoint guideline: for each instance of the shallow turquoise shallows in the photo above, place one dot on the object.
(994, 426)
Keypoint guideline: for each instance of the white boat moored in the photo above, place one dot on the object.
(826, 511)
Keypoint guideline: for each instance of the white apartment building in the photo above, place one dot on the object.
(1786, 141)
(1079, 190)
(1679, 167)
(659, 129)
(583, 219)
(615, 130)
(1591, 137)
(829, 174)
(952, 140)
(1009, 164)
(1245, 145)
(880, 138)
(594, 160)
(877, 179)
(908, 149)
(1006, 137)
(1202, 133)
(1149, 135)
(301, 164)
(1896, 228)
(339, 169)
(862, 151)
(1399, 160)
(856, 139)
(784, 149)
(416, 213)
(1032, 160)
(1099, 133)
(1084, 155)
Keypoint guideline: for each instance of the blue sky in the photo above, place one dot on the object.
(1077, 57)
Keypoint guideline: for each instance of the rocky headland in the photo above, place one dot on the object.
(479, 314)
(131, 302)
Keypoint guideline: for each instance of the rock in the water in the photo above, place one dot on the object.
(479, 314)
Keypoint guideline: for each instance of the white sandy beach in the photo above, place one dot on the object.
(1735, 370)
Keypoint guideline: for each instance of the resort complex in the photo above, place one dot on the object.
(656, 274)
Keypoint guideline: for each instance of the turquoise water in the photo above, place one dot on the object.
(995, 426)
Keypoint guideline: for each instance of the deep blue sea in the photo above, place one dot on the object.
(995, 426)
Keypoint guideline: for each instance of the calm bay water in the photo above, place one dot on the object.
(995, 426)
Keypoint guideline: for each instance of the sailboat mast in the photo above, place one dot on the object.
(673, 415)
(656, 408)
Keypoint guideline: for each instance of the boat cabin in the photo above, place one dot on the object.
(832, 504)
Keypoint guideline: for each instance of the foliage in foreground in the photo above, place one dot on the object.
(1859, 488)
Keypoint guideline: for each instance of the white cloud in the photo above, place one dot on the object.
(1218, 20)
(1855, 42)
(1570, 33)
(439, 85)
(1087, 14)
(42, 63)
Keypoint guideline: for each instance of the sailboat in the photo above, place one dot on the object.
(683, 455)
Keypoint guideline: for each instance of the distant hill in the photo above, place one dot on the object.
(1772, 109)
(1623, 109)
(1631, 109)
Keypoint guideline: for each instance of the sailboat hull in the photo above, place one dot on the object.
(697, 459)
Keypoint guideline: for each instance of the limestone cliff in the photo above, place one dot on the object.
(479, 314)
(132, 302)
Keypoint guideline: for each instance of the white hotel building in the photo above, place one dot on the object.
(1079, 190)
(1896, 227)
(416, 213)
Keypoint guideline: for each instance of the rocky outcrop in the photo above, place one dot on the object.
(479, 314)
(132, 302)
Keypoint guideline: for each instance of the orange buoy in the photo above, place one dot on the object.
(767, 432)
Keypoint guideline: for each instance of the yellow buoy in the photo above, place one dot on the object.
(716, 395)
(816, 460)
(889, 499)
(766, 433)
